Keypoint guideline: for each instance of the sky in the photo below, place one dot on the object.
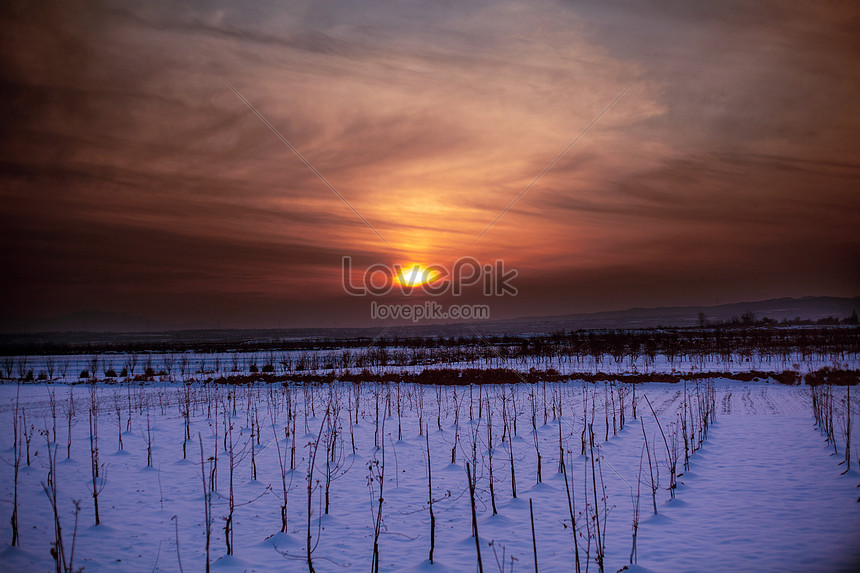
(134, 179)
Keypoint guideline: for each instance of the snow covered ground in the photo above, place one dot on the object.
(764, 492)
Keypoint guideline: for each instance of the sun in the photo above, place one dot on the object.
(414, 275)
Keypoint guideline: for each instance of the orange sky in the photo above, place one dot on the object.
(134, 180)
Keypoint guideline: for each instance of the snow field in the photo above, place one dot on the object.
(764, 491)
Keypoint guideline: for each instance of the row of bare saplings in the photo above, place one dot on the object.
(809, 341)
(831, 407)
(237, 418)
(578, 349)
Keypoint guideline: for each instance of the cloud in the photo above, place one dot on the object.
(734, 151)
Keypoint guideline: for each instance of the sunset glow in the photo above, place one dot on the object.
(136, 180)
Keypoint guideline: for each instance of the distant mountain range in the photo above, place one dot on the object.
(806, 308)
(101, 325)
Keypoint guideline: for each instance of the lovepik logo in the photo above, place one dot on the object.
(435, 280)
